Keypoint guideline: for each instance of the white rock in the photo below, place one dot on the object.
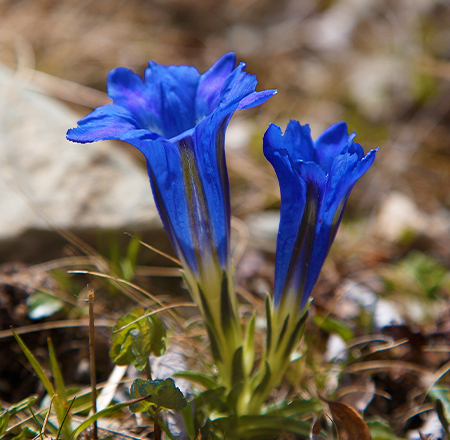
(47, 181)
(397, 215)
(263, 228)
(387, 314)
(372, 80)
(332, 30)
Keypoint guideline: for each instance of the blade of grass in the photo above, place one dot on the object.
(35, 364)
(103, 413)
(59, 409)
(57, 375)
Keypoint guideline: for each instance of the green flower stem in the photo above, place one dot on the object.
(285, 327)
(156, 428)
(214, 294)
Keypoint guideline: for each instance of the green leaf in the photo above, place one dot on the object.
(199, 378)
(20, 406)
(380, 431)
(128, 263)
(332, 325)
(188, 419)
(26, 432)
(61, 391)
(57, 375)
(4, 421)
(103, 413)
(295, 408)
(159, 393)
(59, 408)
(212, 398)
(35, 364)
(262, 426)
(135, 337)
(441, 397)
(233, 396)
(249, 346)
(237, 375)
(41, 305)
(442, 393)
(442, 418)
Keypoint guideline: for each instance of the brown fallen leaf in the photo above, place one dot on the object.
(349, 424)
(314, 434)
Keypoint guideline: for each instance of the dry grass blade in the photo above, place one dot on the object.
(357, 389)
(66, 90)
(148, 271)
(435, 377)
(388, 342)
(68, 323)
(154, 249)
(140, 301)
(387, 366)
(154, 312)
(122, 281)
(415, 412)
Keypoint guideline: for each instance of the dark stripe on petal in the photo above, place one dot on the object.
(312, 203)
(303, 246)
(191, 199)
(337, 218)
(199, 216)
(222, 167)
(165, 218)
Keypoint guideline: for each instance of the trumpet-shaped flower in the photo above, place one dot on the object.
(177, 118)
(316, 178)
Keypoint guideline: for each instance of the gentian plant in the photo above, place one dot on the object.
(177, 118)
(316, 178)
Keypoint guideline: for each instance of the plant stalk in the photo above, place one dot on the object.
(91, 299)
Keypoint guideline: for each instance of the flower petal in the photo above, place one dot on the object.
(210, 85)
(166, 178)
(107, 122)
(332, 142)
(256, 98)
(177, 118)
(315, 182)
(173, 90)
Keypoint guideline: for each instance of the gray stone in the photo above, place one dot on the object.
(48, 183)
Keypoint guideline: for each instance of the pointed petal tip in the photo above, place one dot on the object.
(76, 135)
(370, 156)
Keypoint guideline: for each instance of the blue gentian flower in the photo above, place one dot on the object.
(316, 178)
(177, 118)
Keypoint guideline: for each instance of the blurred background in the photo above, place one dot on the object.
(381, 65)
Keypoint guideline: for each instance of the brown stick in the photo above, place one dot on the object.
(91, 298)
